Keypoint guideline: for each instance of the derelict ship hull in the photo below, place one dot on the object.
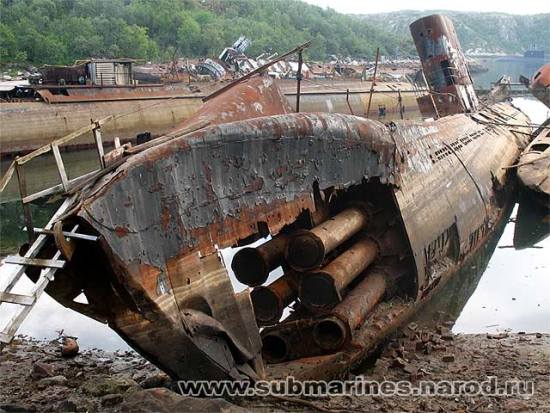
(157, 278)
(367, 222)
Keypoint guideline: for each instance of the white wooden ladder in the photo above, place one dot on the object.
(14, 266)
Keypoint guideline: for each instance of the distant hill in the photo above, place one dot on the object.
(62, 31)
(478, 32)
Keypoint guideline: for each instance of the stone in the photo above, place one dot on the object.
(17, 408)
(412, 326)
(155, 380)
(120, 366)
(40, 370)
(409, 333)
(67, 406)
(162, 400)
(110, 400)
(497, 336)
(428, 348)
(425, 337)
(101, 385)
(448, 358)
(52, 381)
(139, 376)
(514, 405)
(398, 362)
(409, 368)
(69, 348)
(410, 345)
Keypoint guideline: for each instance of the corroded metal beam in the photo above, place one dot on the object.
(332, 332)
(324, 288)
(253, 265)
(307, 249)
(270, 301)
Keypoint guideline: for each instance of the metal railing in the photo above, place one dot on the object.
(66, 185)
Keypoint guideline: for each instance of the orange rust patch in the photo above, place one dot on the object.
(183, 269)
(141, 281)
(165, 218)
(149, 279)
(254, 186)
(121, 231)
(144, 279)
(227, 232)
(252, 98)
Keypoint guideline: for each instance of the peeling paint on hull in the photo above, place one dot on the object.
(164, 213)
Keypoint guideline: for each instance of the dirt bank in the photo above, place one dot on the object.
(438, 356)
(34, 377)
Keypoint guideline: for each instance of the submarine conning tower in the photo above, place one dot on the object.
(444, 67)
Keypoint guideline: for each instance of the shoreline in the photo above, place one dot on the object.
(35, 377)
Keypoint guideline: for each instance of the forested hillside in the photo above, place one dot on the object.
(486, 32)
(61, 31)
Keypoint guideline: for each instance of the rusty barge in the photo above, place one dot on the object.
(367, 220)
(56, 110)
(533, 168)
(540, 84)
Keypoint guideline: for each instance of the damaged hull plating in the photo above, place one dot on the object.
(368, 220)
(540, 84)
(534, 166)
(163, 215)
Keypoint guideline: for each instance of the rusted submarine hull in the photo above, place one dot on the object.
(163, 214)
(540, 84)
(533, 167)
(405, 203)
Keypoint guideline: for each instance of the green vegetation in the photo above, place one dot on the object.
(12, 219)
(478, 32)
(61, 31)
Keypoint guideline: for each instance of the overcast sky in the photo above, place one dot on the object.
(380, 6)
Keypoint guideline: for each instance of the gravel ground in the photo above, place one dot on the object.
(35, 377)
(438, 355)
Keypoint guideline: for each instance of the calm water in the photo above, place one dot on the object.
(501, 288)
(505, 66)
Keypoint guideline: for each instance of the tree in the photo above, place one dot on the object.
(8, 44)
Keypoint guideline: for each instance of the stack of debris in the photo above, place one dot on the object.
(403, 351)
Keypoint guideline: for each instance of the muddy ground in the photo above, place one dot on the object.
(35, 377)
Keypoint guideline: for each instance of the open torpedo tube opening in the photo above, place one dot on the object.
(313, 284)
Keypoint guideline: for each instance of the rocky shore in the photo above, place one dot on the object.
(34, 376)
